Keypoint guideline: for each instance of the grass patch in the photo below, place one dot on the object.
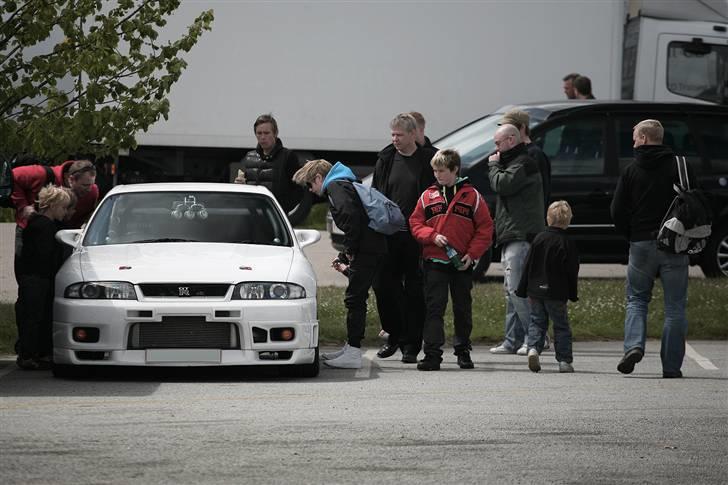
(7, 214)
(598, 315)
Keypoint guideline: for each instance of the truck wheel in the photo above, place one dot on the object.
(482, 267)
(299, 213)
(714, 261)
(303, 370)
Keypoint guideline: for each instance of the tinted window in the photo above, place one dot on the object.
(216, 217)
(677, 136)
(697, 70)
(575, 148)
(714, 132)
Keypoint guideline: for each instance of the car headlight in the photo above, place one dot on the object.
(268, 291)
(101, 290)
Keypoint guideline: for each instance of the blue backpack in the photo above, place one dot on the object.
(384, 215)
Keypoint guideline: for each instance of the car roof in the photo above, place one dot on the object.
(190, 187)
(586, 105)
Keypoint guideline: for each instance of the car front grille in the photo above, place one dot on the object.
(180, 332)
(183, 290)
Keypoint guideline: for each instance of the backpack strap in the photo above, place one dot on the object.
(50, 176)
(682, 172)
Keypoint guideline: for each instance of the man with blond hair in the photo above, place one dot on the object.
(402, 173)
(643, 195)
(515, 177)
(363, 249)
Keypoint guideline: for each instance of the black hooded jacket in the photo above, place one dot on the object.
(645, 191)
(274, 171)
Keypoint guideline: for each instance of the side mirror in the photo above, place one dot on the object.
(306, 237)
(69, 236)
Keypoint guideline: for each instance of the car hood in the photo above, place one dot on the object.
(184, 262)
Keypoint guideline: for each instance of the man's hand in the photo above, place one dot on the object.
(493, 159)
(240, 179)
(440, 241)
(467, 262)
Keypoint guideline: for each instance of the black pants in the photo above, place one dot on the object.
(400, 295)
(438, 279)
(361, 275)
(34, 316)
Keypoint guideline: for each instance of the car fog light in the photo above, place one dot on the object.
(86, 334)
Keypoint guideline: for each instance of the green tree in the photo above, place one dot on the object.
(83, 76)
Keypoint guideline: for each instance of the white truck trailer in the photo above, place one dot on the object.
(334, 73)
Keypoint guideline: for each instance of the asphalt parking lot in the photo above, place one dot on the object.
(384, 423)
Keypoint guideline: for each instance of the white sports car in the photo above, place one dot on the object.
(186, 274)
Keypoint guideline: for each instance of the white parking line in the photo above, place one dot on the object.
(702, 361)
(366, 365)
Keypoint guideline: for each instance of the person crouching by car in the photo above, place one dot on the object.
(37, 267)
(452, 223)
(363, 249)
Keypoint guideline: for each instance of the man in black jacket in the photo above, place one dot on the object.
(402, 173)
(363, 249)
(643, 195)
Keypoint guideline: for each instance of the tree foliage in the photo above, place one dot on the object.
(83, 76)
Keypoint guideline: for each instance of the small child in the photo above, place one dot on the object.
(37, 267)
(549, 279)
(450, 217)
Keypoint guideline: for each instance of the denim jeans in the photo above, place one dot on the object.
(518, 311)
(646, 262)
(541, 311)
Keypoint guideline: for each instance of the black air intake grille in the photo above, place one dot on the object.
(183, 333)
(183, 290)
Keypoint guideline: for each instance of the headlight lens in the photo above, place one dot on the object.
(101, 290)
(268, 291)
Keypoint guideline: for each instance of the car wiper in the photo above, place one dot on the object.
(163, 239)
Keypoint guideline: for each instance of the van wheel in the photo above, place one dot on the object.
(714, 261)
(482, 267)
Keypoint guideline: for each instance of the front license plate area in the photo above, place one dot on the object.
(204, 356)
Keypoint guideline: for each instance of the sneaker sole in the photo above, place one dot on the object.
(504, 351)
(341, 366)
(533, 363)
(627, 366)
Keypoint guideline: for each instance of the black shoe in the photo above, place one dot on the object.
(428, 364)
(464, 360)
(409, 358)
(672, 375)
(626, 365)
(387, 350)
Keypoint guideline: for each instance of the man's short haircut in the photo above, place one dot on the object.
(583, 85)
(53, 196)
(419, 119)
(652, 129)
(80, 167)
(571, 76)
(559, 214)
(446, 158)
(518, 118)
(404, 121)
(266, 118)
(307, 173)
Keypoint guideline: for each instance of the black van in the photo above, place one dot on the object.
(587, 176)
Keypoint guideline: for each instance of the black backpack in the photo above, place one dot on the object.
(6, 177)
(686, 227)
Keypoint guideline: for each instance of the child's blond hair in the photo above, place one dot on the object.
(446, 158)
(53, 196)
(307, 173)
(559, 214)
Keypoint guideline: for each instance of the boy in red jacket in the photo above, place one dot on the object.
(452, 223)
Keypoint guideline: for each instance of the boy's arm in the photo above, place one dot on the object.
(483, 237)
(572, 270)
(422, 233)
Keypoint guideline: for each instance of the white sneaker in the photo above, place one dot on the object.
(333, 355)
(523, 350)
(565, 367)
(546, 343)
(533, 362)
(501, 349)
(349, 359)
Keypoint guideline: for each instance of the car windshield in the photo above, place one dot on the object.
(474, 141)
(210, 217)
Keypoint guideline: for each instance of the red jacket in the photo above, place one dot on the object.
(29, 179)
(466, 222)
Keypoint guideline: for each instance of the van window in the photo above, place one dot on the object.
(575, 148)
(697, 70)
(714, 132)
(677, 136)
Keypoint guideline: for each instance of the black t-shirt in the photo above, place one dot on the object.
(402, 185)
(40, 253)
